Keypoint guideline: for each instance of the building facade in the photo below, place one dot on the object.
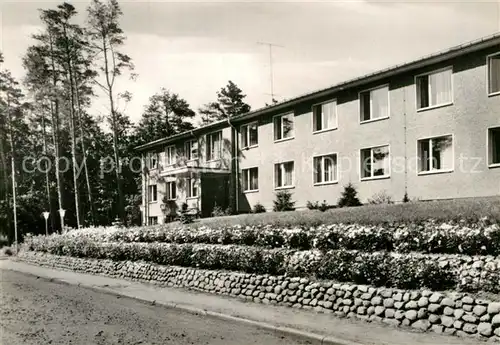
(429, 129)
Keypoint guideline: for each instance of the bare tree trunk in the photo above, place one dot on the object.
(54, 109)
(84, 153)
(72, 130)
(13, 172)
(47, 178)
(6, 180)
(121, 210)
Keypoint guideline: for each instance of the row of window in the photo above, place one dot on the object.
(171, 190)
(213, 151)
(433, 89)
(434, 155)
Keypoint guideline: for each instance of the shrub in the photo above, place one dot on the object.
(349, 197)
(406, 198)
(184, 216)
(312, 205)
(480, 238)
(317, 206)
(7, 251)
(258, 208)
(218, 211)
(4, 241)
(283, 202)
(324, 206)
(380, 198)
(377, 269)
(373, 270)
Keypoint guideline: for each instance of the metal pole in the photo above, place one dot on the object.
(271, 45)
(13, 172)
(46, 228)
(15, 204)
(271, 71)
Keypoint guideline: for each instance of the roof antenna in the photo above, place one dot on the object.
(271, 45)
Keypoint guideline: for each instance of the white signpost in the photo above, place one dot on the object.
(62, 212)
(46, 216)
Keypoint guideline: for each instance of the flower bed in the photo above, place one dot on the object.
(481, 238)
(408, 271)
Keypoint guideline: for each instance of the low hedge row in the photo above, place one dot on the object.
(406, 271)
(427, 237)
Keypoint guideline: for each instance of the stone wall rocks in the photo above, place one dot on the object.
(448, 313)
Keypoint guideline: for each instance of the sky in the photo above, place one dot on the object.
(194, 48)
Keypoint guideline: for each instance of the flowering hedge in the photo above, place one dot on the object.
(481, 238)
(407, 271)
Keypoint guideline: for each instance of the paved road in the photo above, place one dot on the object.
(37, 311)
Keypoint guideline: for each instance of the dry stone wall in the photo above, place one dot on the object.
(449, 313)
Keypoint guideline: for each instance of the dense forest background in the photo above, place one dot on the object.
(55, 152)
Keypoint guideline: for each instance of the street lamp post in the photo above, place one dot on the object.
(61, 214)
(46, 216)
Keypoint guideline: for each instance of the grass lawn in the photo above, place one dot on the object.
(470, 209)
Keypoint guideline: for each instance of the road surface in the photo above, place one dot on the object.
(37, 311)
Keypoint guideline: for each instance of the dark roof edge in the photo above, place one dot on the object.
(450, 53)
(182, 135)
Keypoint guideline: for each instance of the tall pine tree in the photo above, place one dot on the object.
(166, 114)
(107, 39)
(230, 102)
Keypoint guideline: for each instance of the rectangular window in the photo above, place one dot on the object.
(434, 89)
(283, 126)
(374, 104)
(283, 175)
(153, 160)
(435, 154)
(375, 162)
(152, 193)
(494, 145)
(153, 221)
(171, 190)
(249, 135)
(170, 155)
(214, 146)
(192, 188)
(325, 116)
(250, 179)
(325, 169)
(191, 150)
(494, 74)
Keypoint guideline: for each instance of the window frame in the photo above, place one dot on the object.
(488, 76)
(190, 181)
(293, 176)
(150, 194)
(168, 190)
(373, 177)
(150, 218)
(281, 129)
(451, 102)
(243, 171)
(190, 151)
(336, 126)
(489, 148)
(337, 177)
(248, 135)
(152, 155)
(440, 171)
(371, 111)
(208, 152)
(174, 156)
